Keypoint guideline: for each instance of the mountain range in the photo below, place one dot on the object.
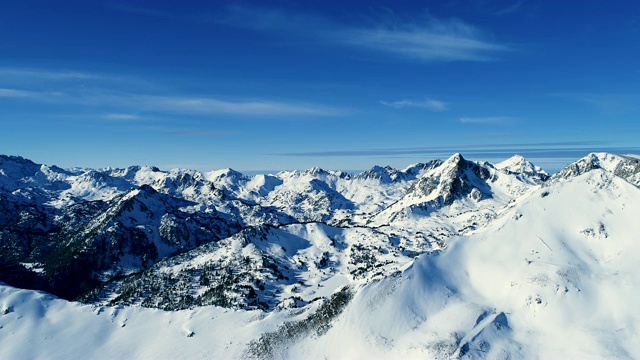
(443, 259)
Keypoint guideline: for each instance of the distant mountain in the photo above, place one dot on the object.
(453, 198)
(523, 169)
(626, 167)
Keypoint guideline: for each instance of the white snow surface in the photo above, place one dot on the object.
(38, 326)
(554, 277)
(554, 274)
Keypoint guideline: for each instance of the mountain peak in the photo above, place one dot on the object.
(224, 175)
(455, 178)
(514, 160)
(453, 164)
(379, 173)
(626, 167)
(315, 171)
(525, 170)
(456, 158)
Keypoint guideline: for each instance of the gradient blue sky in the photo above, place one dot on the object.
(274, 85)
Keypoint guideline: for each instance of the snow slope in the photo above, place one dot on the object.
(554, 277)
(35, 325)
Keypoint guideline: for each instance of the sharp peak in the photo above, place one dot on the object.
(518, 157)
(456, 157)
(229, 171)
(316, 169)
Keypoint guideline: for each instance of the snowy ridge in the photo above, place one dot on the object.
(626, 167)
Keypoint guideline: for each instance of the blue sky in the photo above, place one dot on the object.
(274, 85)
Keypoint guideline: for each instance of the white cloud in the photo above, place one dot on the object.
(46, 74)
(119, 116)
(48, 96)
(199, 132)
(42, 79)
(488, 120)
(431, 41)
(427, 39)
(242, 107)
(14, 93)
(431, 104)
(127, 102)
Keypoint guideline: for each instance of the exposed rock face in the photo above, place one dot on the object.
(455, 178)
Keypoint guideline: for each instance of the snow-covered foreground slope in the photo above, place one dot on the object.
(554, 275)
(35, 325)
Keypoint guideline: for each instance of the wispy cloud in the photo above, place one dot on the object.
(45, 96)
(551, 155)
(199, 133)
(433, 41)
(423, 39)
(34, 85)
(43, 79)
(431, 104)
(120, 116)
(206, 105)
(494, 120)
(15, 93)
(47, 74)
(127, 102)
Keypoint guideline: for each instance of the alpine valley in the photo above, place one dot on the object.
(443, 259)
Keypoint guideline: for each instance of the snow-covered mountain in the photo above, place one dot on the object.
(453, 198)
(451, 258)
(624, 166)
(523, 169)
(561, 265)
